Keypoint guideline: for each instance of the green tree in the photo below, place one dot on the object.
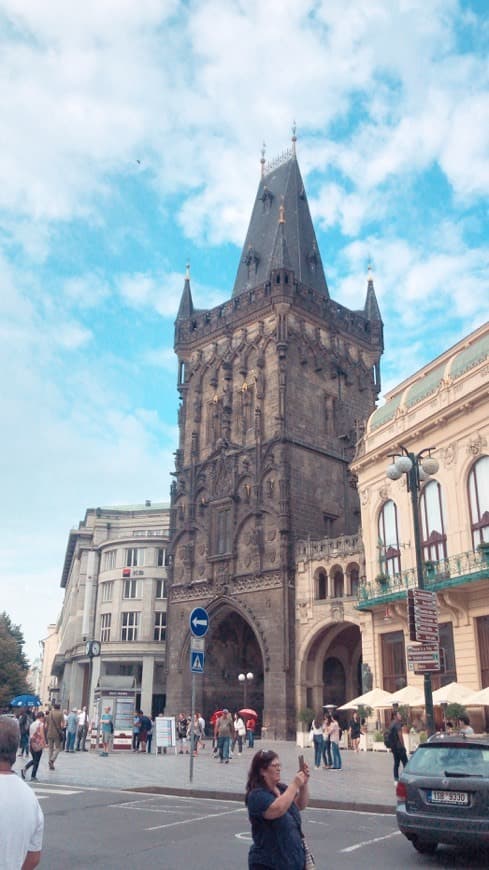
(13, 663)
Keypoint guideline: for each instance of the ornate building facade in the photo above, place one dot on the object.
(445, 406)
(275, 386)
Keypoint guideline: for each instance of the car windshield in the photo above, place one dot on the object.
(440, 760)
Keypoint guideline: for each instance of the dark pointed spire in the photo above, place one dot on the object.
(281, 185)
(371, 309)
(186, 307)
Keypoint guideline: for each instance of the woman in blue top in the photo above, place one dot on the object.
(273, 810)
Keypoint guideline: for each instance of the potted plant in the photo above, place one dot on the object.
(430, 568)
(483, 549)
(382, 579)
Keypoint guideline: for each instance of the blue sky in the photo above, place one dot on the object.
(131, 137)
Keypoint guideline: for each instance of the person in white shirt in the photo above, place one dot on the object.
(82, 729)
(21, 817)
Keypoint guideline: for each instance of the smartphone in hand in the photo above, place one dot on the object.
(301, 762)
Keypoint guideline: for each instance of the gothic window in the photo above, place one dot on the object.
(479, 501)
(393, 661)
(338, 583)
(213, 422)
(389, 551)
(432, 524)
(248, 406)
(321, 586)
(222, 531)
(354, 579)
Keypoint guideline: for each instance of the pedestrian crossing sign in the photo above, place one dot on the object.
(197, 662)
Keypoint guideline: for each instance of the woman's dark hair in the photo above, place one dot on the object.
(260, 761)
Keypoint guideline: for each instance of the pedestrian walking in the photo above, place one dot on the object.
(250, 731)
(144, 729)
(82, 730)
(136, 729)
(21, 817)
(274, 813)
(317, 739)
(55, 733)
(71, 729)
(354, 730)
(37, 742)
(182, 728)
(107, 724)
(396, 743)
(239, 732)
(335, 736)
(225, 731)
(327, 759)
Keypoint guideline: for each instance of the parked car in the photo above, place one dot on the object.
(443, 793)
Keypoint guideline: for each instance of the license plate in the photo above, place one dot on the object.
(448, 797)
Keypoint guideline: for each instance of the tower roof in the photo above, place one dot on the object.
(270, 239)
(186, 307)
(371, 309)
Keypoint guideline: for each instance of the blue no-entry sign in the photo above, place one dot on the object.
(197, 662)
(199, 622)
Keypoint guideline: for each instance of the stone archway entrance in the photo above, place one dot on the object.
(231, 649)
(332, 666)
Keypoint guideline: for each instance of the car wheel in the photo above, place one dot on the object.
(425, 847)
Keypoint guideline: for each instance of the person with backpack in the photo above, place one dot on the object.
(394, 740)
(37, 742)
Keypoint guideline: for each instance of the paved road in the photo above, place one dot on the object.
(97, 829)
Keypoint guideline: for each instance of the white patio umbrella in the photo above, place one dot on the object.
(454, 693)
(412, 696)
(481, 697)
(375, 698)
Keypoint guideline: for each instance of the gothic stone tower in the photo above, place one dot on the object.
(274, 386)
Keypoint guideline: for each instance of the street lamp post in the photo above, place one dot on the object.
(417, 467)
(245, 679)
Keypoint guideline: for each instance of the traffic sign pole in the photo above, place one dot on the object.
(199, 626)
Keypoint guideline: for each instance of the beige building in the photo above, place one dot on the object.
(445, 406)
(328, 639)
(115, 581)
(48, 684)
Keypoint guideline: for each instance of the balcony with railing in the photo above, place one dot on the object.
(448, 573)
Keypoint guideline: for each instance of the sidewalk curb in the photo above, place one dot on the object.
(315, 803)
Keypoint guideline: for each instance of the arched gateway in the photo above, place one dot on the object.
(330, 672)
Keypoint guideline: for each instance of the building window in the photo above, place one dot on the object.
(393, 661)
(105, 621)
(222, 531)
(161, 590)
(107, 591)
(483, 639)
(130, 624)
(321, 586)
(161, 557)
(130, 589)
(432, 525)
(479, 501)
(160, 626)
(389, 552)
(448, 672)
(109, 560)
(134, 557)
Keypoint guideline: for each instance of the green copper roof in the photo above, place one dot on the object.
(470, 357)
(425, 386)
(385, 413)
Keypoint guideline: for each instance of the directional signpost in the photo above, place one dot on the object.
(423, 657)
(199, 626)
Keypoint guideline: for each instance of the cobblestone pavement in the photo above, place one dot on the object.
(365, 781)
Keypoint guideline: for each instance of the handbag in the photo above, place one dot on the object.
(309, 862)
